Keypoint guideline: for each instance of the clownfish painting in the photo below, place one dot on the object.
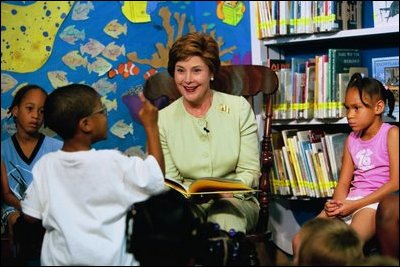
(125, 69)
(149, 73)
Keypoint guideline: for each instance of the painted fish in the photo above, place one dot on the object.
(121, 129)
(73, 60)
(93, 48)
(110, 104)
(149, 73)
(103, 86)
(125, 69)
(81, 10)
(71, 35)
(114, 29)
(7, 82)
(100, 66)
(18, 87)
(112, 51)
(57, 78)
(4, 114)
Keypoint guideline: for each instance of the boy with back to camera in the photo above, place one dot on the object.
(81, 194)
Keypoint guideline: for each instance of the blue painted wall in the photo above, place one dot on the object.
(141, 38)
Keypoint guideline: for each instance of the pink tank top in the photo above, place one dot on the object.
(371, 162)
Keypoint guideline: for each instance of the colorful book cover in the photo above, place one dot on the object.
(278, 64)
(340, 61)
(386, 70)
(386, 13)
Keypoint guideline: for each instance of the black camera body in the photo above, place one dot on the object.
(164, 231)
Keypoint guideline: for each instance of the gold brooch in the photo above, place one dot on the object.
(224, 108)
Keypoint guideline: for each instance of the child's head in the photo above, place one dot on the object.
(364, 101)
(328, 242)
(27, 108)
(76, 109)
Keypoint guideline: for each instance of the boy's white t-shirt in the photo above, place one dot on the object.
(82, 199)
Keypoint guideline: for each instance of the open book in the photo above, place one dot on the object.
(189, 187)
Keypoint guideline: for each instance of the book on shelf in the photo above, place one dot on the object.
(296, 190)
(277, 18)
(315, 138)
(286, 134)
(298, 169)
(277, 64)
(343, 81)
(280, 181)
(353, 15)
(314, 175)
(282, 97)
(327, 159)
(297, 92)
(335, 144)
(327, 183)
(386, 13)
(304, 145)
(362, 70)
(211, 185)
(386, 70)
(309, 89)
(284, 181)
(321, 86)
(318, 170)
(340, 61)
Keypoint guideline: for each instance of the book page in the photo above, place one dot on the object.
(218, 185)
(181, 185)
(212, 185)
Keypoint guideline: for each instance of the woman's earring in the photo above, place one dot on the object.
(212, 78)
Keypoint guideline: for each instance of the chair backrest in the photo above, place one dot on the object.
(244, 80)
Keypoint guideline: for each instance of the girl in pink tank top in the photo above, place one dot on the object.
(370, 160)
(370, 163)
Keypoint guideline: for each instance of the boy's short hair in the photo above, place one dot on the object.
(66, 106)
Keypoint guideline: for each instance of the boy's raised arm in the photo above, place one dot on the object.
(148, 115)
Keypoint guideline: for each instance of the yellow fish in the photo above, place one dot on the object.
(28, 33)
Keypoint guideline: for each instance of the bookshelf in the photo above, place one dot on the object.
(372, 42)
(366, 33)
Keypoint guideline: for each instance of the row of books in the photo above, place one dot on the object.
(314, 87)
(306, 163)
(277, 18)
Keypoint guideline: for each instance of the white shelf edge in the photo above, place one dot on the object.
(311, 121)
(294, 38)
(294, 122)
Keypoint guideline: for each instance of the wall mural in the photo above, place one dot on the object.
(113, 46)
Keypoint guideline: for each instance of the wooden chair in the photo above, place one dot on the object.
(247, 81)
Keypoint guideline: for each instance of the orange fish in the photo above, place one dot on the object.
(149, 73)
(125, 69)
